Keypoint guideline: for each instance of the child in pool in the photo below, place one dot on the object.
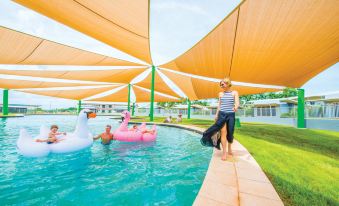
(52, 135)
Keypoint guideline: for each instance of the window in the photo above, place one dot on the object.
(266, 111)
(274, 111)
(258, 111)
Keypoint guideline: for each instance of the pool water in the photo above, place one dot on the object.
(169, 171)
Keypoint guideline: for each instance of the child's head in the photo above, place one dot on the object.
(54, 128)
(135, 126)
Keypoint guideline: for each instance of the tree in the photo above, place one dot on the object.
(287, 92)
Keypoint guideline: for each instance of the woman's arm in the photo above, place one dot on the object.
(218, 108)
(236, 101)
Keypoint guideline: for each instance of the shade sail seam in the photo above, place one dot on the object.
(110, 20)
(31, 52)
(234, 40)
(100, 61)
(61, 75)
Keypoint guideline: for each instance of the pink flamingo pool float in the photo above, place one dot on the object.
(140, 135)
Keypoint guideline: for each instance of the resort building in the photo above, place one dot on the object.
(20, 108)
(105, 108)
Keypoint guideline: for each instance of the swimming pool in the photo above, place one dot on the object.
(167, 172)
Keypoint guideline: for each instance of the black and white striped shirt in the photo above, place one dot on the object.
(227, 102)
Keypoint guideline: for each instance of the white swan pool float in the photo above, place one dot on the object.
(80, 139)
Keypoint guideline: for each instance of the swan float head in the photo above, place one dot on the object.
(82, 129)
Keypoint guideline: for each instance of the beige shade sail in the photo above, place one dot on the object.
(159, 84)
(196, 88)
(111, 75)
(74, 93)
(19, 48)
(268, 42)
(13, 83)
(123, 24)
(141, 95)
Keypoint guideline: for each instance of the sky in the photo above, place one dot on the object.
(175, 26)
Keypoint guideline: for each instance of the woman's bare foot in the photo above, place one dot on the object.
(230, 149)
(224, 157)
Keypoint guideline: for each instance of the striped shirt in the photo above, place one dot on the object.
(227, 102)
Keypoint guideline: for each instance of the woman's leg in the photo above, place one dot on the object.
(223, 142)
(230, 122)
(214, 128)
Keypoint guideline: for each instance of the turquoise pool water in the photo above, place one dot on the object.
(167, 172)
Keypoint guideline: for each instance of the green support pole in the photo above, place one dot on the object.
(188, 109)
(301, 108)
(133, 108)
(5, 102)
(79, 106)
(152, 96)
(129, 98)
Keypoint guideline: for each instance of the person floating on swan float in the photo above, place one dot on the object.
(52, 136)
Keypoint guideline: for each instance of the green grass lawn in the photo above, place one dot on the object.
(302, 164)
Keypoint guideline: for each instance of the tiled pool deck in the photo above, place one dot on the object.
(237, 181)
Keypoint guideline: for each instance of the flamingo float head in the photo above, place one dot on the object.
(126, 115)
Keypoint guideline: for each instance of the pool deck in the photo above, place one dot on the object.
(239, 181)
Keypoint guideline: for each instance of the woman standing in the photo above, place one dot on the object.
(228, 105)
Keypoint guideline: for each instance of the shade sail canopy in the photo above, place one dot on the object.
(75, 93)
(111, 75)
(268, 42)
(159, 84)
(20, 48)
(15, 83)
(141, 95)
(123, 24)
(196, 88)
